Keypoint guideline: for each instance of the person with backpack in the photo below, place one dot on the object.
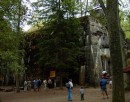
(103, 83)
(69, 85)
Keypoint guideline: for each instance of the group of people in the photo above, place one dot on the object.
(69, 85)
(103, 86)
(47, 83)
(27, 85)
(36, 84)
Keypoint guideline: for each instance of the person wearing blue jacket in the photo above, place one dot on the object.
(103, 83)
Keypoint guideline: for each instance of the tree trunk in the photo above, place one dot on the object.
(17, 83)
(82, 75)
(115, 50)
(18, 35)
(126, 77)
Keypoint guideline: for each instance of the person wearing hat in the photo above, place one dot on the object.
(70, 89)
(103, 83)
(104, 74)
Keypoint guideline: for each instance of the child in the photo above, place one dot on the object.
(82, 93)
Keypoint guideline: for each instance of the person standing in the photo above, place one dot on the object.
(29, 85)
(45, 84)
(70, 89)
(110, 83)
(25, 85)
(103, 83)
(49, 83)
(82, 93)
(39, 84)
(35, 85)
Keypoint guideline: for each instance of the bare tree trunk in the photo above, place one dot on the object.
(17, 83)
(115, 50)
(126, 77)
(18, 34)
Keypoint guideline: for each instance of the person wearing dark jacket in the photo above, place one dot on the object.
(103, 83)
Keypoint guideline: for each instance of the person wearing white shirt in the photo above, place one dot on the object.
(82, 93)
(110, 83)
(70, 89)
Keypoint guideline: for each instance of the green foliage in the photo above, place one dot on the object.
(10, 45)
(125, 22)
(59, 44)
(128, 62)
(48, 10)
(61, 48)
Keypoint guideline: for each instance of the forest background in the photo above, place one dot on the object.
(13, 15)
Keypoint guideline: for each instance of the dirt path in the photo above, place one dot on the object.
(56, 95)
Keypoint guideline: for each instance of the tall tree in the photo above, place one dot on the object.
(113, 23)
(10, 48)
(59, 44)
(122, 37)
